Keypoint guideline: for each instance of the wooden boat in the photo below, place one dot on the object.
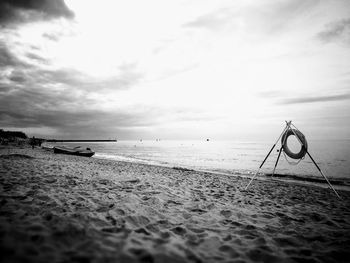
(73, 151)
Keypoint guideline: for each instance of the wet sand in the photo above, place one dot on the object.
(59, 208)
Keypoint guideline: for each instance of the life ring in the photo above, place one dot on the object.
(302, 139)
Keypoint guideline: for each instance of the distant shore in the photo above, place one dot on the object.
(59, 208)
(58, 140)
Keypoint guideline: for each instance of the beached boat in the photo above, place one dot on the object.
(47, 147)
(73, 151)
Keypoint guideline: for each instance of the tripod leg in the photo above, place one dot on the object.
(251, 180)
(319, 169)
(279, 154)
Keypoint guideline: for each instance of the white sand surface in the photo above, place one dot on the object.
(59, 208)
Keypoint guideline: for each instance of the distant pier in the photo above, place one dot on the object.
(54, 140)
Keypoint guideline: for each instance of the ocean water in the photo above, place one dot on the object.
(233, 158)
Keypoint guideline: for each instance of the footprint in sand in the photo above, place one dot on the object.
(226, 213)
(134, 181)
(179, 230)
(173, 202)
(164, 235)
(142, 231)
(104, 181)
(111, 219)
(117, 230)
(51, 181)
(198, 210)
(104, 208)
(118, 212)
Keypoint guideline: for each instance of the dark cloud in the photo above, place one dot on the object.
(63, 99)
(31, 74)
(338, 30)
(313, 99)
(4, 88)
(66, 76)
(78, 80)
(17, 76)
(37, 58)
(7, 58)
(70, 115)
(19, 11)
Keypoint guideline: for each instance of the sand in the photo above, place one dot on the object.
(59, 208)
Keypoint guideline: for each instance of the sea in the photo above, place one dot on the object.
(235, 158)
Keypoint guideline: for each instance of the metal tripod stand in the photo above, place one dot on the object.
(288, 127)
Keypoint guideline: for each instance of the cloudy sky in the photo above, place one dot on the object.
(188, 69)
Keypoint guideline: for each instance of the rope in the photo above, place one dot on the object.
(290, 162)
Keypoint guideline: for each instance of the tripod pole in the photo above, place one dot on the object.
(251, 180)
(278, 157)
(279, 153)
(323, 174)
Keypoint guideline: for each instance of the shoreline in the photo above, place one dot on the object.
(63, 208)
(306, 173)
(338, 183)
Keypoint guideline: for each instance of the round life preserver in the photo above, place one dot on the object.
(302, 139)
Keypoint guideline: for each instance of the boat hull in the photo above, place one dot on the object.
(79, 152)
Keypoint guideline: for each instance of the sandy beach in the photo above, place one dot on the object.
(59, 208)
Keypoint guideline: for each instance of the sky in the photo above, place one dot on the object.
(194, 69)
